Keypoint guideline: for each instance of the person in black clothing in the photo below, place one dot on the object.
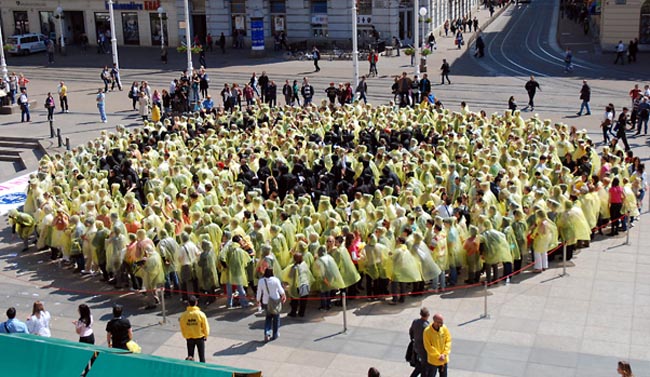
(263, 82)
(425, 86)
(512, 104)
(620, 129)
(315, 55)
(444, 69)
(118, 330)
(331, 93)
(222, 43)
(632, 49)
(480, 46)
(585, 96)
(271, 92)
(531, 87)
(202, 56)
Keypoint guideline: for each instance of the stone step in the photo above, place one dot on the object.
(19, 143)
(15, 108)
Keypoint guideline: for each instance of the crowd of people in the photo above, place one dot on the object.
(372, 201)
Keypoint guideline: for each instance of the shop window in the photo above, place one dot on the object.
(130, 28)
(47, 24)
(103, 25)
(154, 22)
(319, 31)
(239, 24)
(278, 24)
(22, 22)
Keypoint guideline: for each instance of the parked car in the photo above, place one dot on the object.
(25, 44)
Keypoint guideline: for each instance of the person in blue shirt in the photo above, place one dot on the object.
(12, 325)
(208, 103)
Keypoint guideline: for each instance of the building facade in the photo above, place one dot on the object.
(138, 23)
(624, 20)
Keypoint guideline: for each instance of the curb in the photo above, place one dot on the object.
(489, 21)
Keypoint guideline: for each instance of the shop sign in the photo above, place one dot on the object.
(257, 34)
(319, 19)
(147, 5)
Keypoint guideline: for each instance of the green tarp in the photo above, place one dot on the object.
(34, 356)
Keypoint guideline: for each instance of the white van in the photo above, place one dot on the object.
(24, 44)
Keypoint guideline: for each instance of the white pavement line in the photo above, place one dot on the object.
(12, 193)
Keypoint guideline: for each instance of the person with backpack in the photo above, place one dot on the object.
(50, 106)
(115, 78)
(315, 55)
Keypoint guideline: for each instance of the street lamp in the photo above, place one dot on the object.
(59, 15)
(3, 63)
(423, 13)
(113, 37)
(188, 41)
(355, 44)
(161, 11)
(416, 37)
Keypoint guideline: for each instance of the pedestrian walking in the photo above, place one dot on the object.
(63, 96)
(222, 43)
(444, 72)
(620, 129)
(479, 46)
(23, 102)
(531, 88)
(105, 75)
(606, 124)
(271, 296)
(315, 55)
(416, 332)
(568, 58)
(644, 115)
(632, 50)
(620, 53)
(39, 322)
(373, 57)
(118, 330)
(101, 104)
(163, 54)
(50, 51)
(396, 45)
(362, 89)
(50, 105)
(115, 78)
(287, 92)
(195, 329)
(437, 343)
(202, 56)
(585, 96)
(84, 325)
(12, 325)
(459, 39)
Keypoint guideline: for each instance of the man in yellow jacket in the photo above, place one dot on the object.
(195, 329)
(437, 343)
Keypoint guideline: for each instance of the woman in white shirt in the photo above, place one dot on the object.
(39, 322)
(270, 287)
(83, 326)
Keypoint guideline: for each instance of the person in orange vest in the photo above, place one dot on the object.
(372, 58)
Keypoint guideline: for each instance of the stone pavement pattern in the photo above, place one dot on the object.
(540, 325)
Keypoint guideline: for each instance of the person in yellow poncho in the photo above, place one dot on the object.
(327, 277)
(403, 269)
(153, 275)
(206, 271)
(572, 227)
(495, 250)
(299, 279)
(544, 237)
(471, 247)
(236, 261)
(349, 272)
(23, 224)
(372, 263)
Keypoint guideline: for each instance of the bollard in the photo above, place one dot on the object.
(58, 135)
(345, 309)
(51, 129)
(162, 302)
(485, 308)
(627, 234)
(564, 259)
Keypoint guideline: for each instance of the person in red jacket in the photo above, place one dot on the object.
(372, 59)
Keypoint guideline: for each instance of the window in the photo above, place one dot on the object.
(154, 23)
(239, 24)
(278, 6)
(319, 31)
(278, 24)
(102, 25)
(364, 6)
(22, 22)
(319, 6)
(47, 24)
(130, 28)
(238, 6)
